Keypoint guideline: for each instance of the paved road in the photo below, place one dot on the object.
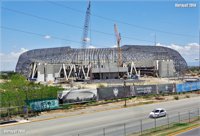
(93, 124)
(193, 132)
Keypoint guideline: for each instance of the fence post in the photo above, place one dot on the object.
(27, 112)
(189, 116)
(141, 126)
(168, 120)
(124, 129)
(8, 110)
(124, 93)
(155, 123)
(104, 132)
(179, 120)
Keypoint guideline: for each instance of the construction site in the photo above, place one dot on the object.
(99, 68)
(64, 64)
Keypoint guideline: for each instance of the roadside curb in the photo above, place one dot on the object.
(17, 123)
(184, 130)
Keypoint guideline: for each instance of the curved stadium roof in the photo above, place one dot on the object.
(142, 56)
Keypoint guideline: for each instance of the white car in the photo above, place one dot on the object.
(158, 112)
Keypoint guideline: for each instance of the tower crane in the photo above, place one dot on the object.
(118, 37)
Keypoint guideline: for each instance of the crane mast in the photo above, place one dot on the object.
(118, 37)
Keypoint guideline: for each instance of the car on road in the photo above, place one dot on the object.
(158, 112)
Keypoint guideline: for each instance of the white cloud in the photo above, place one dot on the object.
(9, 61)
(114, 46)
(190, 52)
(47, 37)
(91, 47)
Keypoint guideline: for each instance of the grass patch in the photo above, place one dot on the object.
(178, 127)
(180, 124)
(167, 130)
(67, 106)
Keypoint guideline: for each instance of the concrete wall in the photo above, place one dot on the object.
(166, 68)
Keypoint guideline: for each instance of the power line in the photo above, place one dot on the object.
(41, 35)
(39, 17)
(37, 34)
(52, 37)
(70, 25)
(122, 22)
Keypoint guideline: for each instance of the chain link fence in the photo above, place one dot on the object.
(142, 126)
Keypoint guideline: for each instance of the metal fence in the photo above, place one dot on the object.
(107, 93)
(143, 126)
(187, 87)
(118, 92)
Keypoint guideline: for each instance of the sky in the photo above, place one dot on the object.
(27, 25)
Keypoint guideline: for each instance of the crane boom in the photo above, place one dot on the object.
(118, 37)
(86, 26)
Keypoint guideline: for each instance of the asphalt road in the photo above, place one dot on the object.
(193, 132)
(108, 123)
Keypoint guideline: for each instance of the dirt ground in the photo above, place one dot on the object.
(3, 81)
(144, 81)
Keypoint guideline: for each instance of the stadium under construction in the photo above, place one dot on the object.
(64, 63)
(129, 61)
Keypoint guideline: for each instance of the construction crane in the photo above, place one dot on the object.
(118, 37)
(85, 38)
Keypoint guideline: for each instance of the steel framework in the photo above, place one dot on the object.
(134, 56)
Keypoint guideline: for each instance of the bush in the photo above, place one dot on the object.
(101, 86)
(18, 89)
(159, 98)
(187, 96)
(176, 97)
(7, 75)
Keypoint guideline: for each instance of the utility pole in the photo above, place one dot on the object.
(124, 93)
(199, 48)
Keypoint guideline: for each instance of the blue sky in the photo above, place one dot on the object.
(176, 28)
